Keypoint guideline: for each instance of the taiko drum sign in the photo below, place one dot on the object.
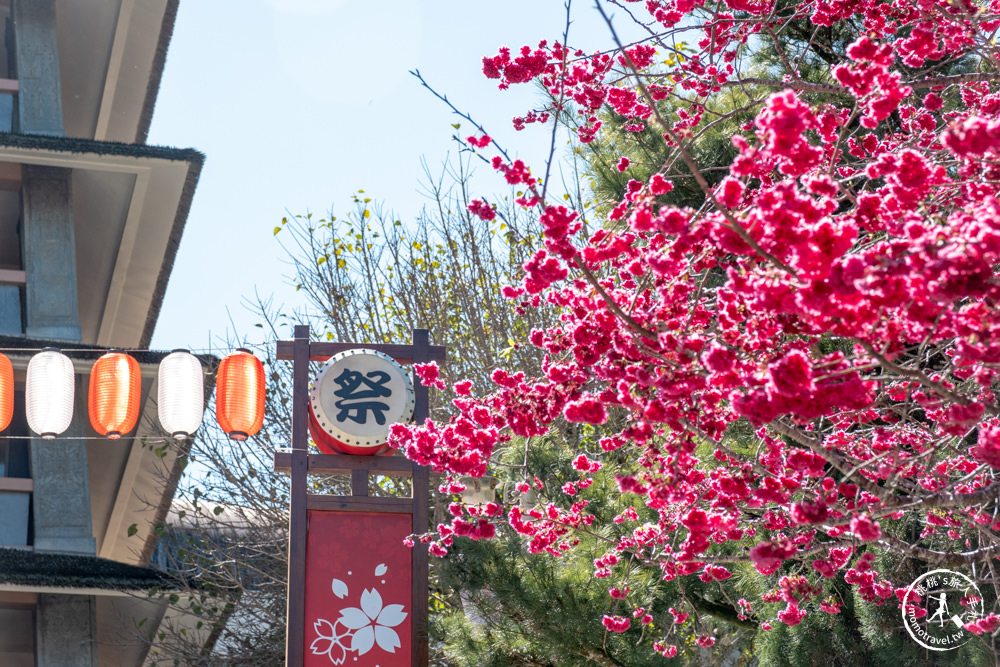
(354, 400)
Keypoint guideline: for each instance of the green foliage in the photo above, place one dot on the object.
(863, 633)
(369, 277)
(507, 606)
(714, 150)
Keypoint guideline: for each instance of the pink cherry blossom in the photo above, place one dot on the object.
(782, 375)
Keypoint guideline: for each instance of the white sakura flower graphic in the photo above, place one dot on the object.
(331, 640)
(372, 624)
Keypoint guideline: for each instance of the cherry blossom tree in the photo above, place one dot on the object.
(833, 302)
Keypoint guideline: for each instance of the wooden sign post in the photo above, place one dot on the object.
(356, 594)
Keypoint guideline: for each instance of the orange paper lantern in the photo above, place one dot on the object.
(6, 392)
(239, 397)
(115, 384)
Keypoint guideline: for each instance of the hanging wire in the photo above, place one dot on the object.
(263, 346)
(35, 436)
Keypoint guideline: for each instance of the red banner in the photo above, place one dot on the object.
(358, 589)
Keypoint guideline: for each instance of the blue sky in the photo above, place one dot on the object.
(297, 104)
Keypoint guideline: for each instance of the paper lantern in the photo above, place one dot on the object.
(115, 385)
(180, 397)
(48, 393)
(239, 396)
(6, 392)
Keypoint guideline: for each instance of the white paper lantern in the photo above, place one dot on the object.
(181, 394)
(49, 390)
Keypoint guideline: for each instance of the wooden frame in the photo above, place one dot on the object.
(12, 277)
(403, 354)
(18, 484)
(10, 176)
(299, 463)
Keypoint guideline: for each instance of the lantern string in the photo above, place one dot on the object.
(33, 436)
(262, 347)
(214, 366)
(101, 350)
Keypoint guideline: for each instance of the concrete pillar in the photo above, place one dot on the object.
(66, 631)
(10, 310)
(48, 253)
(6, 113)
(65, 625)
(61, 499)
(36, 67)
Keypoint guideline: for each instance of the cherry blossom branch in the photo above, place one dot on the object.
(945, 558)
(794, 85)
(840, 90)
(781, 51)
(558, 105)
(947, 500)
(612, 305)
(455, 110)
(923, 379)
(745, 558)
(836, 460)
(690, 162)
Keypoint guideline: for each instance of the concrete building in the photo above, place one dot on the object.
(90, 221)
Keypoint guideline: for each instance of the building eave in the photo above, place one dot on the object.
(111, 59)
(156, 75)
(24, 570)
(141, 206)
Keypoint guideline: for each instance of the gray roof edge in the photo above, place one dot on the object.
(195, 160)
(12, 345)
(32, 568)
(156, 74)
(170, 254)
(94, 147)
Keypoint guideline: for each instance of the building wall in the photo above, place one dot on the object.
(40, 301)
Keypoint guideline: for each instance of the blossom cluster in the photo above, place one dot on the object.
(838, 292)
